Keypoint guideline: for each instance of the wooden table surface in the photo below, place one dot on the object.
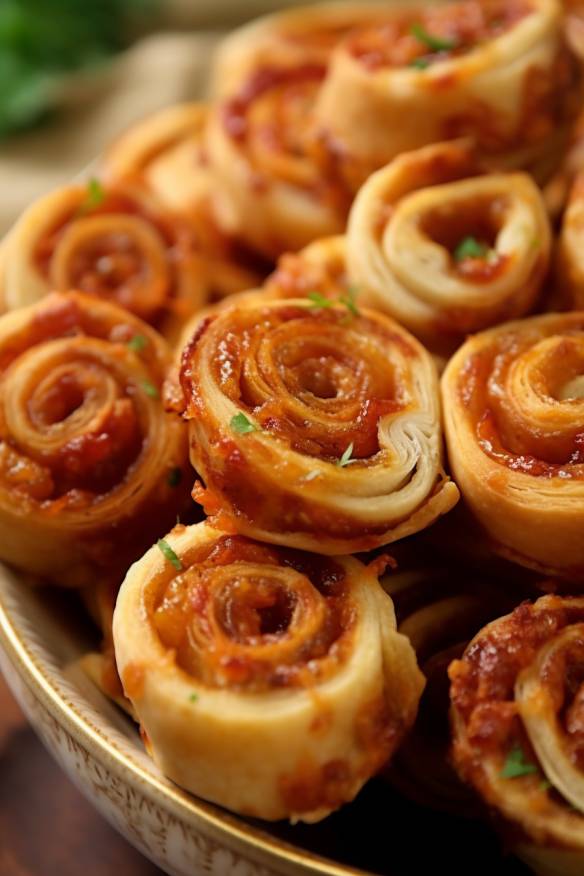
(46, 826)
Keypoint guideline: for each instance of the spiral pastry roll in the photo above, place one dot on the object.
(314, 425)
(574, 26)
(91, 467)
(514, 412)
(318, 270)
(558, 188)
(278, 183)
(292, 38)
(516, 714)
(444, 250)
(115, 244)
(269, 681)
(496, 71)
(570, 259)
(163, 153)
(439, 611)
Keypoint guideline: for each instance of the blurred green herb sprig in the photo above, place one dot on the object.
(43, 40)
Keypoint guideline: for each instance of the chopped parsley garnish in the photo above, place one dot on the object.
(319, 301)
(420, 63)
(169, 554)
(193, 697)
(436, 43)
(149, 389)
(346, 457)
(174, 477)
(240, 424)
(470, 248)
(94, 197)
(349, 301)
(137, 343)
(545, 785)
(515, 765)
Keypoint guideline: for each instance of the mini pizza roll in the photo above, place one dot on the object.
(516, 701)
(439, 609)
(496, 71)
(91, 466)
(120, 245)
(569, 293)
(320, 269)
(513, 402)
(163, 152)
(314, 424)
(446, 249)
(270, 681)
(289, 38)
(278, 183)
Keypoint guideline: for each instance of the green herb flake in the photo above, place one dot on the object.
(174, 477)
(193, 697)
(149, 389)
(137, 343)
(349, 301)
(545, 785)
(470, 248)
(346, 457)
(436, 43)
(420, 63)
(240, 424)
(94, 197)
(516, 766)
(319, 301)
(169, 554)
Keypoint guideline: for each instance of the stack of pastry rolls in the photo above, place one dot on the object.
(250, 305)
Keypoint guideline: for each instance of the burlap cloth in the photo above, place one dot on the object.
(158, 70)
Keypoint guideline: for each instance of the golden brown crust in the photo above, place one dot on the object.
(278, 182)
(315, 427)
(394, 89)
(252, 649)
(570, 275)
(438, 608)
(119, 244)
(87, 454)
(516, 699)
(320, 267)
(513, 418)
(289, 38)
(407, 234)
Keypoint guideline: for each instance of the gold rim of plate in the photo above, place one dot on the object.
(204, 817)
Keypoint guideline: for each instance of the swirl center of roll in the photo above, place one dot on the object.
(457, 28)
(317, 381)
(114, 256)
(537, 400)
(466, 233)
(272, 115)
(251, 622)
(71, 421)
(550, 696)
